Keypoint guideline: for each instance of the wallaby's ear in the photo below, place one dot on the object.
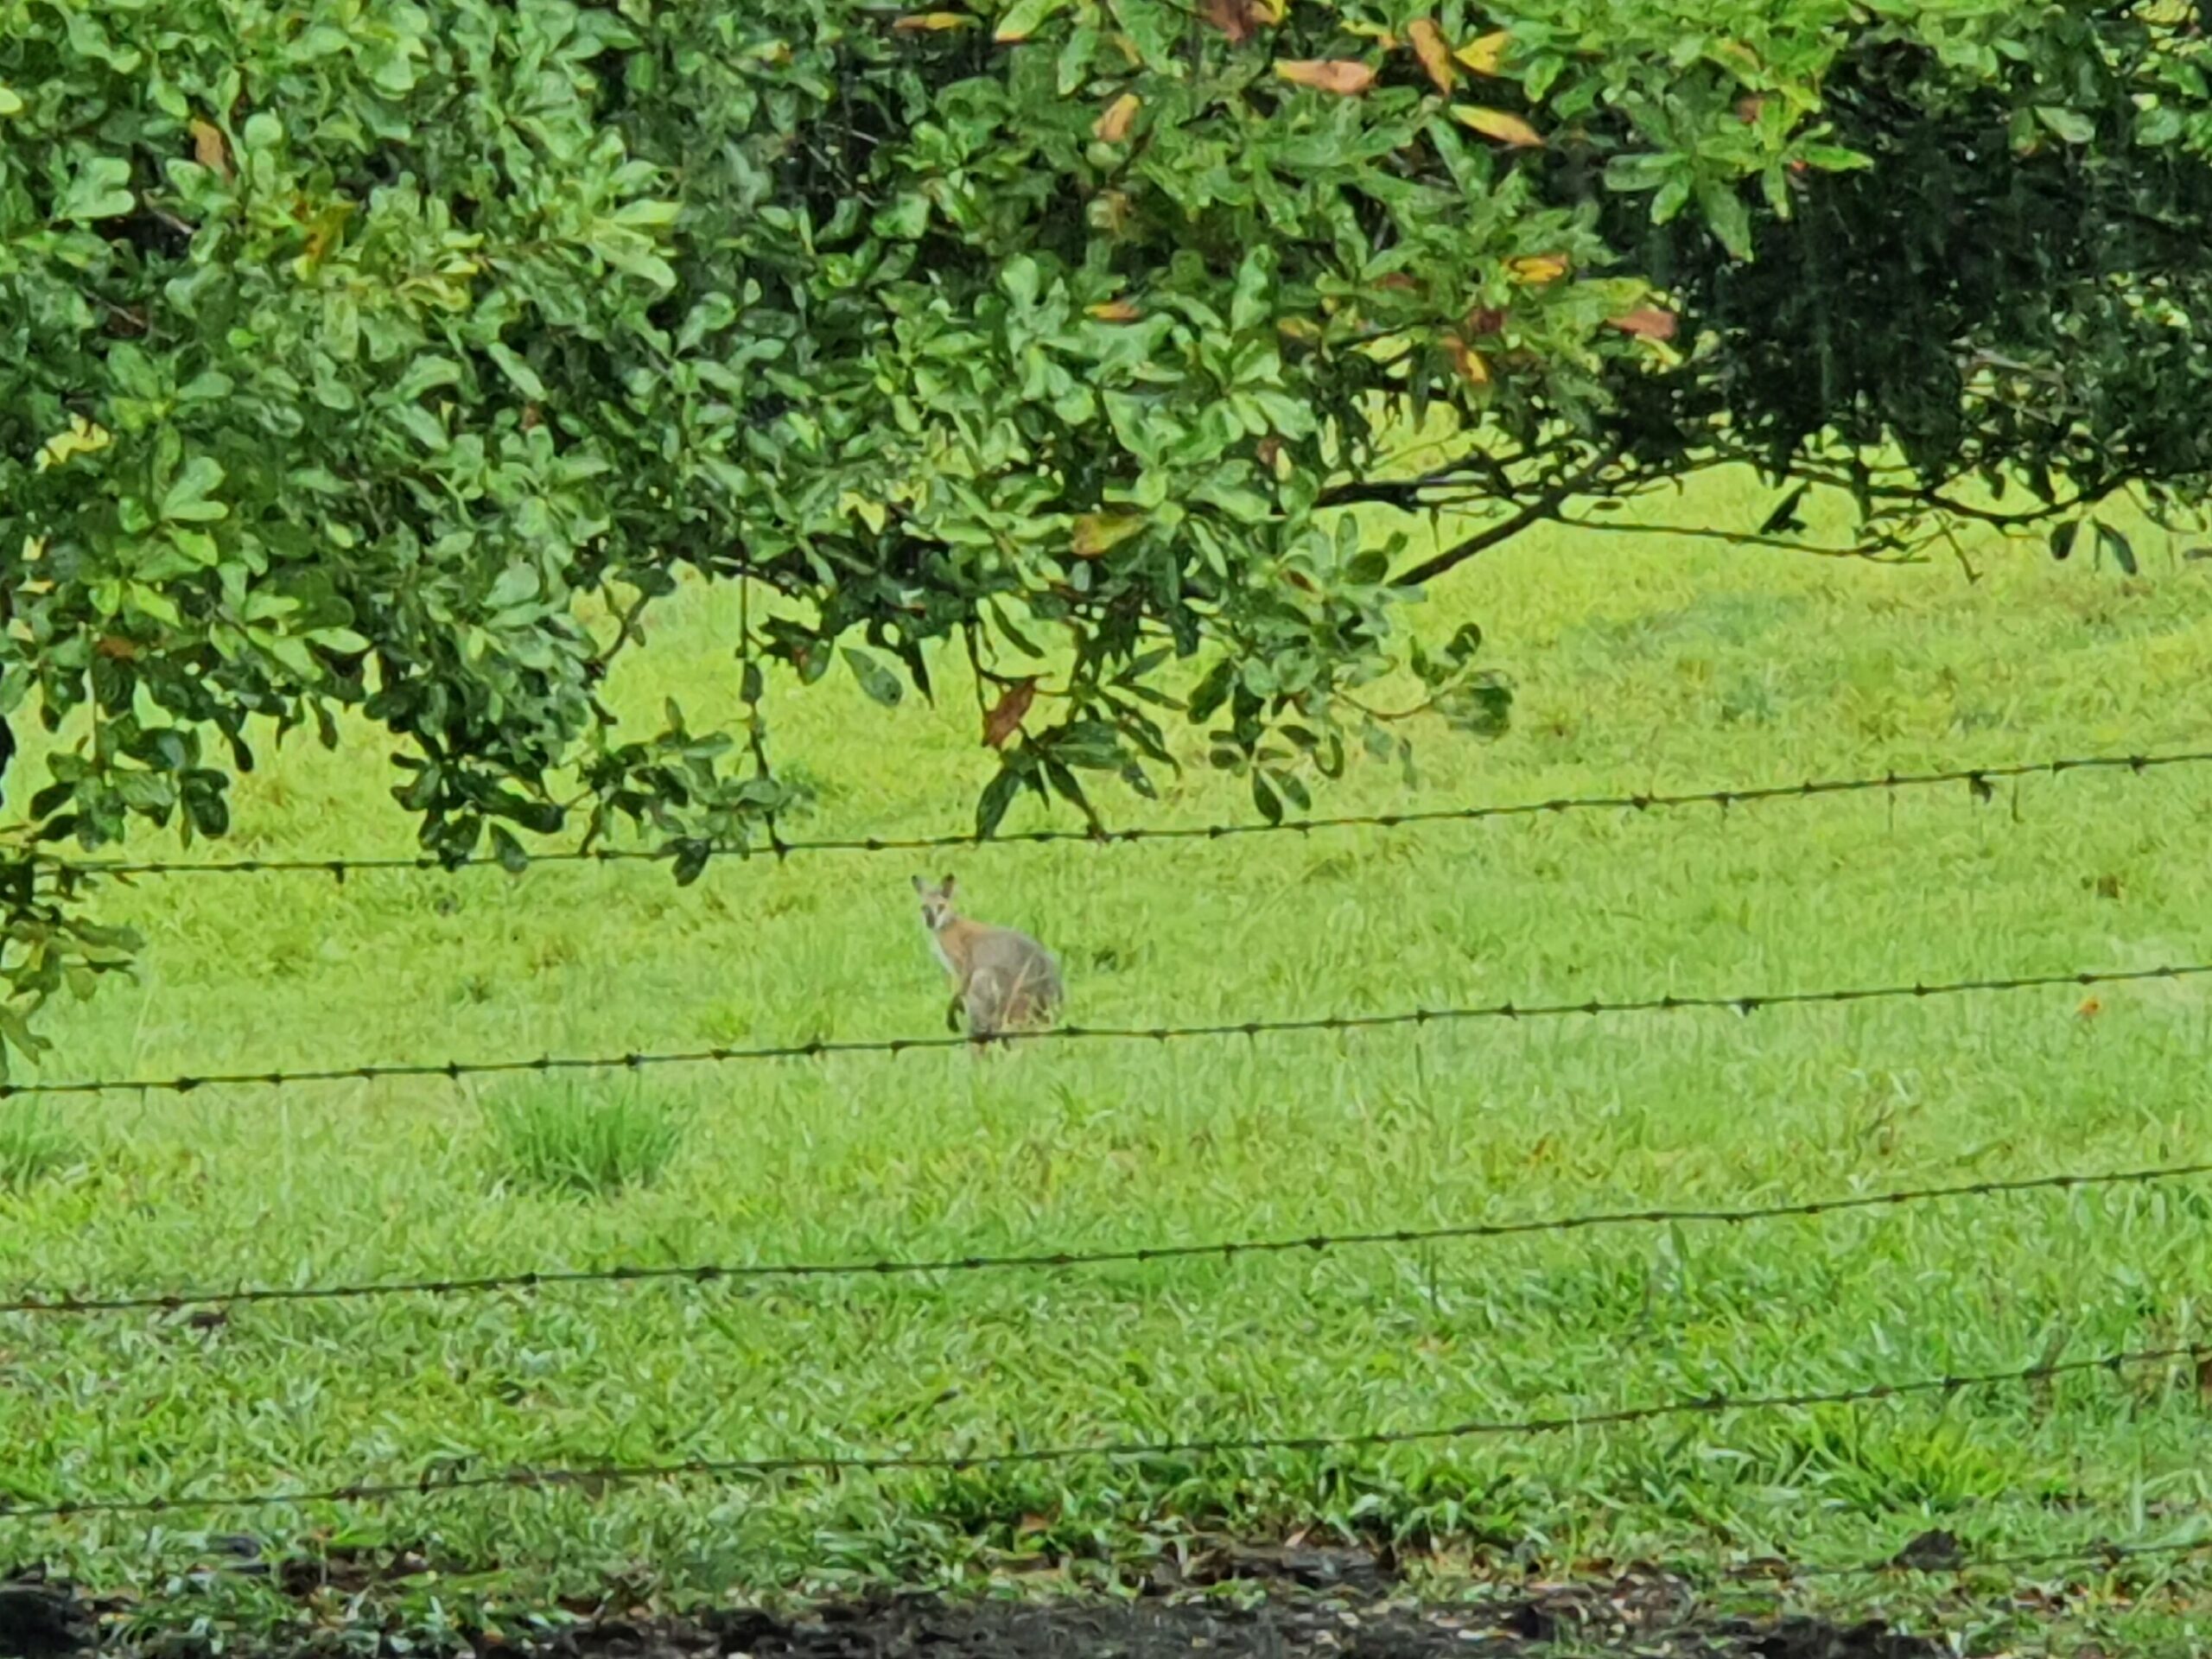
(920, 886)
(947, 888)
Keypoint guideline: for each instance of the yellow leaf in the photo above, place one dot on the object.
(1375, 32)
(1345, 77)
(1099, 533)
(1468, 361)
(1435, 55)
(1537, 269)
(871, 514)
(1497, 124)
(1115, 311)
(932, 23)
(83, 437)
(1484, 54)
(1120, 115)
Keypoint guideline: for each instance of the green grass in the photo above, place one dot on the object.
(585, 1141)
(36, 1142)
(1658, 664)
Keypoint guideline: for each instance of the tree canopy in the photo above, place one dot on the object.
(372, 355)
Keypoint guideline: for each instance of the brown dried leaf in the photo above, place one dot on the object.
(1501, 124)
(1234, 18)
(1005, 715)
(1647, 322)
(1434, 53)
(1344, 76)
(209, 148)
(1483, 319)
(1484, 54)
(1113, 127)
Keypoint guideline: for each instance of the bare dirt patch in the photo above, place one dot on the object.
(1310, 1604)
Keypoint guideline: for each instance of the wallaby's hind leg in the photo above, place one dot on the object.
(986, 1010)
(955, 1012)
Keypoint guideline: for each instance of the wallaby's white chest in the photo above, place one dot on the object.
(938, 950)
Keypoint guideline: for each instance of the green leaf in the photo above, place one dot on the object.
(1370, 569)
(1726, 212)
(99, 189)
(1784, 516)
(190, 500)
(691, 858)
(2158, 126)
(1024, 17)
(1269, 804)
(2122, 550)
(520, 373)
(2069, 124)
(880, 684)
(998, 795)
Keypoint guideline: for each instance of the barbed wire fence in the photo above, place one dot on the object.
(1745, 1003)
(1981, 782)
(72, 1303)
(446, 1476)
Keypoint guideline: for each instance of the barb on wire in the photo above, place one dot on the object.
(67, 1303)
(447, 1476)
(1977, 779)
(1745, 1002)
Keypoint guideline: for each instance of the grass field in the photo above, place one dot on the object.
(1640, 663)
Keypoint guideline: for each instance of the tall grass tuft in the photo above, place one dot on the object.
(581, 1142)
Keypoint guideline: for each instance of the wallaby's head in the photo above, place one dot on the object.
(936, 903)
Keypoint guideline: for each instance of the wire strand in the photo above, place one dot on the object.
(1978, 779)
(447, 1476)
(70, 1303)
(1746, 1003)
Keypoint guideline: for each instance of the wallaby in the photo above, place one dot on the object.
(1002, 980)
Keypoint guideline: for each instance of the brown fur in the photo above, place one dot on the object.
(1002, 980)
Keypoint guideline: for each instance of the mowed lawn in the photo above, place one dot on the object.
(1641, 663)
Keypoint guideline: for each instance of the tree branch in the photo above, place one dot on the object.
(1874, 554)
(1546, 506)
